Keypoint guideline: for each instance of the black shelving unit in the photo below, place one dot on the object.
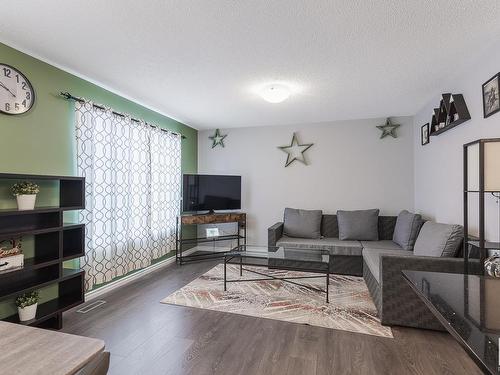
(452, 112)
(477, 183)
(54, 243)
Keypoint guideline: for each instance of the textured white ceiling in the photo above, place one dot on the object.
(198, 61)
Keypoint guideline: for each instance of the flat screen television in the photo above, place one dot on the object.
(203, 192)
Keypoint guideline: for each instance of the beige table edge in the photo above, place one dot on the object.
(29, 351)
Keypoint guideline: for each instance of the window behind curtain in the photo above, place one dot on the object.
(133, 176)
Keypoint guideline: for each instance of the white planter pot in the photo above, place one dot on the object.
(28, 313)
(26, 202)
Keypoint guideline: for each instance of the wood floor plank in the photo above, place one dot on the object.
(147, 337)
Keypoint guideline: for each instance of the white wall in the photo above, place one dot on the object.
(349, 168)
(438, 165)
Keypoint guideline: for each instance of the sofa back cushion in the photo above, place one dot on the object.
(406, 231)
(438, 240)
(302, 223)
(386, 226)
(361, 225)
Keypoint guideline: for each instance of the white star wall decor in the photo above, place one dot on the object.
(217, 138)
(295, 151)
(388, 129)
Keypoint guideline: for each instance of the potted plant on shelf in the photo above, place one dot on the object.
(25, 193)
(27, 304)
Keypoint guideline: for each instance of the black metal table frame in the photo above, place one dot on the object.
(228, 257)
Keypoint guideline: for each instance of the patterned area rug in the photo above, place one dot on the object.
(350, 308)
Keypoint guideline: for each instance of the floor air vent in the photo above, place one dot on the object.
(91, 306)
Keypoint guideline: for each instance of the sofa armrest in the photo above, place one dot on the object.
(391, 266)
(399, 303)
(274, 233)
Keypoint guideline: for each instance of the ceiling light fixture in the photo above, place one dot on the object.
(275, 93)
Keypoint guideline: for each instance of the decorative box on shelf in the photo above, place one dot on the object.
(11, 259)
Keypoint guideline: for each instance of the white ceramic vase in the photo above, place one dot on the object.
(26, 202)
(28, 313)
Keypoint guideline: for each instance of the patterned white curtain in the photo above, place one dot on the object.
(132, 179)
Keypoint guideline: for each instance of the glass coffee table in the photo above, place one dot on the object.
(280, 258)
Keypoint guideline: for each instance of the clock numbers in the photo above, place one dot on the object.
(16, 93)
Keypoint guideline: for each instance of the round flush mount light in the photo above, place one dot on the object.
(275, 92)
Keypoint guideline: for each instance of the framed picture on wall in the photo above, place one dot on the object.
(424, 133)
(491, 97)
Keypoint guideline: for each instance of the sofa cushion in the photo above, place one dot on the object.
(358, 225)
(372, 256)
(406, 229)
(439, 240)
(381, 244)
(333, 245)
(329, 226)
(302, 223)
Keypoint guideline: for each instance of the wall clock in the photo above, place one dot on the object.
(16, 93)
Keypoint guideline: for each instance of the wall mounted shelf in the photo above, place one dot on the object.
(54, 243)
(452, 112)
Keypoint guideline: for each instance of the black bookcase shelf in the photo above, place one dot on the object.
(73, 242)
(70, 295)
(54, 243)
(452, 112)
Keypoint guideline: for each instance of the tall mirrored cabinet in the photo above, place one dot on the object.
(481, 203)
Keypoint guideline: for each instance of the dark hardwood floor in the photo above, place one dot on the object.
(147, 337)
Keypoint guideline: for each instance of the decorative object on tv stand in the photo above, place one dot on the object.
(424, 134)
(27, 304)
(491, 96)
(481, 182)
(388, 129)
(12, 258)
(452, 111)
(295, 151)
(217, 138)
(25, 193)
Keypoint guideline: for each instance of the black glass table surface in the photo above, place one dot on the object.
(313, 261)
(468, 306)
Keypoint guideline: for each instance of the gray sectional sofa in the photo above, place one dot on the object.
(381, 261)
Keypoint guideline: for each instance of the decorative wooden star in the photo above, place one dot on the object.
(388, 129)
(295, 151)
(217, 138)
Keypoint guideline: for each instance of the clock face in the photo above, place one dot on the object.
(16, 93)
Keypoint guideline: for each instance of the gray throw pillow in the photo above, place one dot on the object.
(361, 225)
(439, 240)
(406, 229)
(302, 223)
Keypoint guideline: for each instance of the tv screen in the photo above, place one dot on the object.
(211, 192)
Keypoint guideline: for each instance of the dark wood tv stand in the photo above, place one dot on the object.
(211, 218)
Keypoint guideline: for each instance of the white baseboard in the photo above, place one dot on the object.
(136, 275)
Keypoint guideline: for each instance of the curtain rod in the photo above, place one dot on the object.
(68, 96)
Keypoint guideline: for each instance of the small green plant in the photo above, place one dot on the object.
(25, 187)
(27, 299)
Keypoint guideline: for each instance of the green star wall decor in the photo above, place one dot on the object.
(295, 151)
(217, 138)
(388, 129)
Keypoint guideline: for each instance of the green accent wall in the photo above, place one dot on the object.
(42, 141)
